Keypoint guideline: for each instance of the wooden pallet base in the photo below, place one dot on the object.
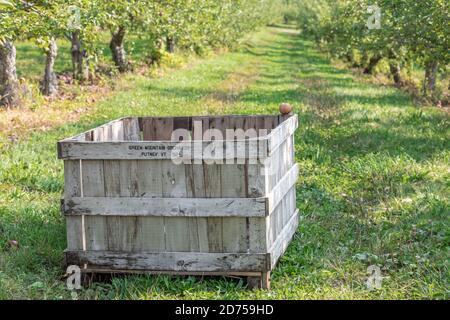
(255, 280)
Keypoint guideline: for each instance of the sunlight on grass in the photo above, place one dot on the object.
(373, 185)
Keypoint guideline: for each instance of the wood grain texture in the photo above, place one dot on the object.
(72, 188)
(235, 229)
(281, 133)
(283, 240)
(169, 261)
(142, 150)
(93, 186)
(150, 234)
(198, 227)
(283, 186)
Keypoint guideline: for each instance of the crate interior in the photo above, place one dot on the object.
(161, 128)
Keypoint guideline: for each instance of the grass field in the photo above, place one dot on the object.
(374, 186)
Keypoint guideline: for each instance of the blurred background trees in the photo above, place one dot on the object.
(410, 33)
(192, 25)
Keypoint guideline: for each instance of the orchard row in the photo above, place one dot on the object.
(188, 24)
(399, 32)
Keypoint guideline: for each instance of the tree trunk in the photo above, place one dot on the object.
(118, 51)
(170, 45)
(395, 72)
(429, 86)
(9, 85)
(373, 62)
(49, 84)
(79, 63)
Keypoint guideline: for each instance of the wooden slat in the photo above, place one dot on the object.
(141, 150)
(93, 186)
(115, 226)
(281, 133)
(169, 207)
(174, 273)
(198, 227)
(283, 186)
(123, 234)
(88, 135)
(131, 129)
(148, 129)
(163, 129)
(234, 229)
(174, 186)
(283, 240)
(259, 120)
(170, 261)
(257, 186)
(212, 185)
(270, 123)
(72, 188)
(150, 234)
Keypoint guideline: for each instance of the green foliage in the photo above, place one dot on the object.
(373, 185)
(195, 25)
(409, 31)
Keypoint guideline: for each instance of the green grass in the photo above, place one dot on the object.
(374, 186)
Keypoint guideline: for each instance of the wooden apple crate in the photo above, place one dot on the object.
(130, 208)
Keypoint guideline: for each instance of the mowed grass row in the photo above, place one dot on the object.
(373, 188)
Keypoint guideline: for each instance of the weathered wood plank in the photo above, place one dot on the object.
(212, 184)
(234, 229)
(93, 186)
(257, 186)
(115, 226)
(259, 121)
(170, 207)
(163, 128)
(281, 133)
(142, 150)
(72, 188)
(150, 235)
(131, 129)
(283, 240)
(257, 234)
(148, 129)
(283, 186)
(173, 180)
(198, 227)
(117, 131)
(174, 186)
(270, 123)
(174, 273)
(170, 261)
